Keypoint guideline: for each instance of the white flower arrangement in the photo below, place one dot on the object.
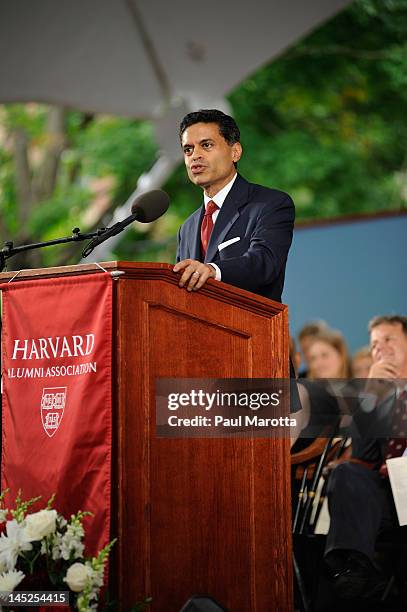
(45, 545)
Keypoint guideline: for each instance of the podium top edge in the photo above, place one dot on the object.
(147, 271)
(78, 269)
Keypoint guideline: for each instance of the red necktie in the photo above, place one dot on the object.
(396, 446)
(207, 226)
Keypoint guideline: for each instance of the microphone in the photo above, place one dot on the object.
(145, 208)
(151, 205)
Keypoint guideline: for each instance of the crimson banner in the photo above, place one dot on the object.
(57, 425)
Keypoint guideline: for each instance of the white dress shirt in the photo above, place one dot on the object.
(219, 198)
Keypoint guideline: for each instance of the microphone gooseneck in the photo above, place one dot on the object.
(145, 208)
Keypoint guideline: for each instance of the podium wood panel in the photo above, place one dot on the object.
(209, 516)
(215, 512)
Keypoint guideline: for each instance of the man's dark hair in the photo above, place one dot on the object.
(227, 125)
(390, 320)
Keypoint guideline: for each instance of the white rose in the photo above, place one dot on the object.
(78, 576)
(9, 580)
(39, 525)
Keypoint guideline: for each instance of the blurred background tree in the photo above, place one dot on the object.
(325, 122)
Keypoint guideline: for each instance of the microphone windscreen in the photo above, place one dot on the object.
(150, 205)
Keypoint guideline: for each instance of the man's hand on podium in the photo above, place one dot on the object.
(194, 273)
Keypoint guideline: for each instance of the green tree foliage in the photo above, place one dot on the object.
(325, 122)
(59, 169)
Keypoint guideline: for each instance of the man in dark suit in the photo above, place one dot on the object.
(359, 493)
(243, 232)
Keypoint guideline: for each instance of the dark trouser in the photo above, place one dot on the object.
(360, 506)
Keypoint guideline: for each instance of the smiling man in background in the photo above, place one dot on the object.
(359, 494)
(242, 233)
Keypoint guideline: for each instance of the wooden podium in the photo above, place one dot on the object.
(193, 516)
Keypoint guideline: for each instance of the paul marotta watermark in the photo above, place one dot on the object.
(240, 421)
(223, 407)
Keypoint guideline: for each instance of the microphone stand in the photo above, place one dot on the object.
(9, 250)
(108, 232)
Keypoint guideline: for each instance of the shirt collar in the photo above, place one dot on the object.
(220, 197)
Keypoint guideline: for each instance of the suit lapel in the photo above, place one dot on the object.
(195, 235)
(228, 214)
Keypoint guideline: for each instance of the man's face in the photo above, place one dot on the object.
(208, 157)
(389, 344)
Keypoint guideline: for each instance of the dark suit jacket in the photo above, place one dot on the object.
(263, 220)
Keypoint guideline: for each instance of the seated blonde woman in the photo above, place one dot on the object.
(328, 356)
(328, 359)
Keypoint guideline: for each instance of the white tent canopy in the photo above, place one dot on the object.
(128, 57)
